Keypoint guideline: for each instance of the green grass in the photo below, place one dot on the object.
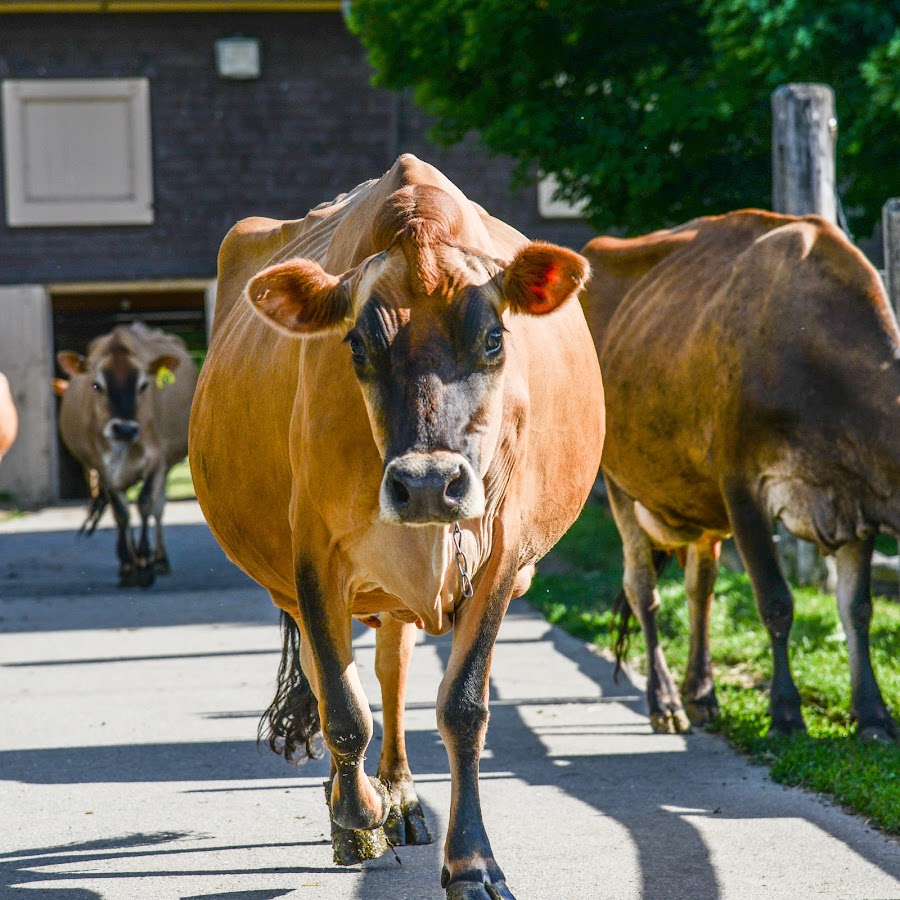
(578, 594)
(179, 485)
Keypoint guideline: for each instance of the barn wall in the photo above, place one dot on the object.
(310, 127)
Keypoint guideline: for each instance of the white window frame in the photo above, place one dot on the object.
(134, 208)
(549, 208)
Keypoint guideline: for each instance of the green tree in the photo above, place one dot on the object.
(653, 110)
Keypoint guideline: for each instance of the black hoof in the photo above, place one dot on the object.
(702, 710)
(145, 576)
(880, 733)
(405, 825)
(475, 890)
(161, 566)
(128, 578)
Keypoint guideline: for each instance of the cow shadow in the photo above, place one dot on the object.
(649, 794)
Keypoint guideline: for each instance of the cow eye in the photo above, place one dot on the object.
(357, 347)
(97, 387)
(143, 386)
(493, 343)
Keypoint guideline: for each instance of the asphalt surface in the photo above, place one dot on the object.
(129, 767)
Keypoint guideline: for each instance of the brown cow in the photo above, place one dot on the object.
(752, 369)
(124, 417)
(393, 366)
(9, 418)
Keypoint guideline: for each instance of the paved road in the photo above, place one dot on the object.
(129, 769)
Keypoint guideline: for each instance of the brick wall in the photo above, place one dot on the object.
(309, 128)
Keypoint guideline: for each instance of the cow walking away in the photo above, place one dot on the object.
(395, 375)
(752, 373)
(9, 417)
(124, 416)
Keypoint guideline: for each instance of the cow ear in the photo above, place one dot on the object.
(166, 361)
(299, 297)
(71, 363)
(59, 386)
(542, 276)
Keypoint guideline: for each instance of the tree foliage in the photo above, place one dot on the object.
(653, 110)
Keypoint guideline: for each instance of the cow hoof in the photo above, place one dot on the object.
(471, 890)
(879, 734)
(673, 721)
(702, 710)
(128, 578)
(785, 727)
(145, 576)
(405, 824)
(161, 566)
(351, 847)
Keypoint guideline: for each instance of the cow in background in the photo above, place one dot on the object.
(400, 414)
(9, 418)
(124, 416)
(752, 371)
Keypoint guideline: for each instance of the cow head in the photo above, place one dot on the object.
(119, 385)
(424, 326)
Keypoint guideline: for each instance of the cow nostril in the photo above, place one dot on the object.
(399, 492)
(457, 487)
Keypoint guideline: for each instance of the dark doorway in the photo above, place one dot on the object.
(80, 314)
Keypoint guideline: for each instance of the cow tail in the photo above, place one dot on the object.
(622, 616)
(291, 723)
(99, 502)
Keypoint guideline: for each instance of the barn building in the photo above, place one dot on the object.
(134, 133)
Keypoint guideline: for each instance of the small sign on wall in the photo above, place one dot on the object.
(237, 58)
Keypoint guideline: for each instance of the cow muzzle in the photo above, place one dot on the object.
(125, 431)
(430, 488)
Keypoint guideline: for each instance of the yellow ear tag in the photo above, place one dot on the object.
(164, 377)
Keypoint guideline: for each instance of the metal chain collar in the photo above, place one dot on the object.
(461, 563)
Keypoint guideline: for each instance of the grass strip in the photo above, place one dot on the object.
(577, 593)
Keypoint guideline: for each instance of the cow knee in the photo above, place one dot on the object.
(462, 721)
(776, 609)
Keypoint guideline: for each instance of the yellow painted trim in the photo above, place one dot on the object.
(164, 6)
(130, 287)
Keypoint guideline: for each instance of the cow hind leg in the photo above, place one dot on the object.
(854, 562)
(697, 691)
(394, 642)
(753, 536)
(667, 716)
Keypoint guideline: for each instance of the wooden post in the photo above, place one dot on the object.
(803, 183)
(803, 130)
(890, 225)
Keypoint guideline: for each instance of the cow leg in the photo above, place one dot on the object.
(124, 541)
(698, 691)
(152, 502)
(356, 801)
(753, 537)
(394, 642)
(470, 871)
(667, 716)
(854, 567)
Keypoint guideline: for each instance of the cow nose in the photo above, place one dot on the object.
(125, 431)
(422, 488)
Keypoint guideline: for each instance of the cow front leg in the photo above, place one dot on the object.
(152, 502)
(753, 537)
(394, 642)
(356, 801)
(854, 594)
(667, 715)
(124, 540)
(470, 871)
(698, 691)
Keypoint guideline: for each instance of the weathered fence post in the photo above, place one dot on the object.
(890, 226)
(803, 183)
